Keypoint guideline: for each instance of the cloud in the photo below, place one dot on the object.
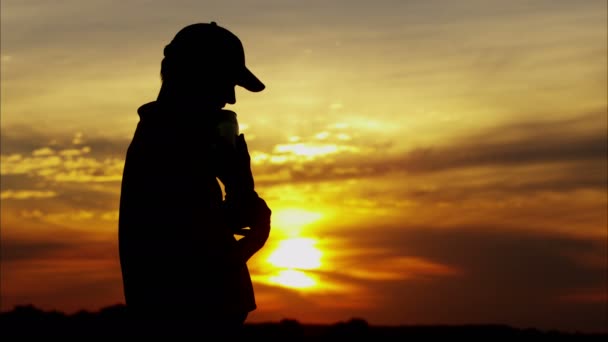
(26, 194)
(528, 260)
(579, 141)
(64, 260)
(498, 183)
(517, 144)
(26, 140)
(468, 274)
(392, 274)
(69, 165)
(61, 158)
(498, 165)
(396, 268)
(77, 272)
(524, 274)
(24, 250)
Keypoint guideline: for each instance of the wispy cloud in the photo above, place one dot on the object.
(62, 158)
(580, 141)
(26, 194)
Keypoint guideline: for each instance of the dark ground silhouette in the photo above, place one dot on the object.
(28, 321)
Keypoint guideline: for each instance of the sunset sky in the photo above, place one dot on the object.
(426, 162)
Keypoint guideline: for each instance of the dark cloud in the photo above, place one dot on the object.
(83, 171)
(18, 182)
(21, 139)
(511, 254)
(71, 196)
(525, 151)
(83, 198)
(24, 140)
(62, 244)
(79, 271)
(523, 158)
(508, 275)
(19, 250)
(589, 175)
(580, 141)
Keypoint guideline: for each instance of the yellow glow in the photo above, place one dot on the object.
(26, 194)
(343, 136)
(296, 152)
(292, 278)
(322, 135)
(313, 150)
(308, 150)
(298, 253)
(292, 220)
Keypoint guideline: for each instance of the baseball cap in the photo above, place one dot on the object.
(218, 48)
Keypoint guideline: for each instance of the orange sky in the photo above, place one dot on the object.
(426, 161)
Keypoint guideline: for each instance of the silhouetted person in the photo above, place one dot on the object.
(184, 272)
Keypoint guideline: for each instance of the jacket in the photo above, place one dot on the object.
(177, 248)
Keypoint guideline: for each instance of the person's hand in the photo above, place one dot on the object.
(259, 229)
(250, 216)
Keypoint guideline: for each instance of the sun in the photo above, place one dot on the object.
(291, 259)
(296, 253)
(293, 256)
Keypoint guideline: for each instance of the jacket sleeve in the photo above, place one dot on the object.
(257, 230)
(246, 213)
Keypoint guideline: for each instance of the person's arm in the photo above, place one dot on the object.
(235, 170)
(243, 207)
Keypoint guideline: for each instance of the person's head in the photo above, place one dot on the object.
(204, 63)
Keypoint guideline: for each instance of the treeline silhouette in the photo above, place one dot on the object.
(110, 322)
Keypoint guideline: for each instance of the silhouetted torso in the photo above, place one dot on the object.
(177, 253)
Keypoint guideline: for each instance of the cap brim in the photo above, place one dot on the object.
(249, 81)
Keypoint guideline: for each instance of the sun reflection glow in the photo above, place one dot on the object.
(293, 278)
(291, 259)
